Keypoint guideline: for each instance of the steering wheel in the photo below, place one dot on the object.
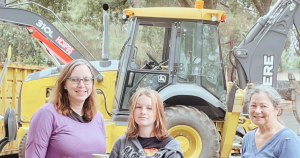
(146, 65)
(151, 58)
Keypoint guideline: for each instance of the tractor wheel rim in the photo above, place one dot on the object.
(189, 139)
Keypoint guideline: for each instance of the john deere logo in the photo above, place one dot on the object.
(162, 79)
(267, 71)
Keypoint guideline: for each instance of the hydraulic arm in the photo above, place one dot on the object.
(259, 54)
(49, 36)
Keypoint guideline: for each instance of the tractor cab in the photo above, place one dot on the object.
(171, 46)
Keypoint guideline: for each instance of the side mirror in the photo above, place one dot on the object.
(197, 60)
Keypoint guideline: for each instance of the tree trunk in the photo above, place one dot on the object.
(298, 39)
(136, 3)
(231, 69)
(262, 6)
(209, 4)
(184, 3)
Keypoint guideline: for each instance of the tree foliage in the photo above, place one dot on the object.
(84, 19)
(24, 47)
(57, 6)
(92, 12)
(260, 6)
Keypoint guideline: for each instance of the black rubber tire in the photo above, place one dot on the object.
(22, 145)
(190, 116)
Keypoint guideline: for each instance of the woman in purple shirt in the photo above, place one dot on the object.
(69, 125)
(271, 139)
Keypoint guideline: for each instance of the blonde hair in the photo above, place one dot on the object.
(60, 98)
(160, 124)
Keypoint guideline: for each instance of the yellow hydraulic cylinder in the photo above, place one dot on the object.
(230, 124)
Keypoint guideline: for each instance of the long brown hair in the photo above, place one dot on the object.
(160, 124)
(60, 98)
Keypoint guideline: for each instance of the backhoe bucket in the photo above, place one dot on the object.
(295, 87)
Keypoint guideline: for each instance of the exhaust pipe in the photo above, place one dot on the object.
(105, 39)
(105, 43)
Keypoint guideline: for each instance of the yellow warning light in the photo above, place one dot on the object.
(223, 18)
(129, 12)
(9, 52)
(199, 4)
(126, 14)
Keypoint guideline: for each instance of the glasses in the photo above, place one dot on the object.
(85, 80)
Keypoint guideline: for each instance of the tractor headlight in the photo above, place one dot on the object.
(213, 18)
(125, 17)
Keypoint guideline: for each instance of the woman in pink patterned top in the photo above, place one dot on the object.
(69, 125)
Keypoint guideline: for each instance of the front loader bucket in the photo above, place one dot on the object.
(10, 127)
(6, 115)
(4, 140)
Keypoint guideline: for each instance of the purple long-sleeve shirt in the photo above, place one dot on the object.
(52, 135)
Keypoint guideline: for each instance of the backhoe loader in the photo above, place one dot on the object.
(183, 63)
